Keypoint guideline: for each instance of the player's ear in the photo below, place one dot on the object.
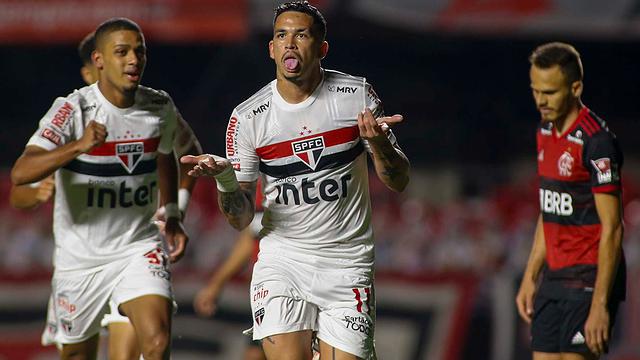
(271, 55)
(324, 49)
(97, 59)
(576, 88)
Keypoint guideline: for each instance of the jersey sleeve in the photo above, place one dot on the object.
(373, 102)
(604, 160)
(240, 148)
(184, 139)
(56, 127)
(168, 128)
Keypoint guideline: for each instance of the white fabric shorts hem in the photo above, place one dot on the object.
(259, 334)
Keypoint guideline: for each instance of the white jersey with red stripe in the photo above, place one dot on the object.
(313, 167)
(105, 199)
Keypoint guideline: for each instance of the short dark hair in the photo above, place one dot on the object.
(319, 23)
(115, 24)
(557, 53)
(86, 47)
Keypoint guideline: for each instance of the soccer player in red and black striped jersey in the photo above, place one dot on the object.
(578, 238)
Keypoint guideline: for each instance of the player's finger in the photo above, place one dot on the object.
(522, 311)
(591, 340)
(390, 120)
(190, 159)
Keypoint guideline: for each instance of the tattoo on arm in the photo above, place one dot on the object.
(270, 340)
(233, 203)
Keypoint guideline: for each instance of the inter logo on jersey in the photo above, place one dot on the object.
(130, 154)
(309, 150)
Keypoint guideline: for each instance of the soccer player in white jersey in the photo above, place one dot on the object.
(305, 135)
(110, 145)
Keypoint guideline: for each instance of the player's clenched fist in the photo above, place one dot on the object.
(94, 135)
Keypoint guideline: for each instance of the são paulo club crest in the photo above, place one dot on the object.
(309, 150)
(130, 154)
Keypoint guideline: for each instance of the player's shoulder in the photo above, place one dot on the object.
(334, 77)
(78, 99)
(592, 128)
(148, 96)
(257, 102)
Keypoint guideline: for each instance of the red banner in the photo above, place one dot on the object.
(64, 21)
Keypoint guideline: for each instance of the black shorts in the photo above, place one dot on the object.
(558, 324)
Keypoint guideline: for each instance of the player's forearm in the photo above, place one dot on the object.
(24, 197)
(37, 163)
(187, 182)
(237, 206)
(537, 255)
(391, 165)
(609, 252)
(167, 178)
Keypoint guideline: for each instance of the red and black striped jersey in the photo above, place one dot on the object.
(573, 166)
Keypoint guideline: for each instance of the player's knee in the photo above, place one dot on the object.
(156, 346)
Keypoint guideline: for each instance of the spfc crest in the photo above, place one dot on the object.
(309, 150)
(130, 154)
(259, 316)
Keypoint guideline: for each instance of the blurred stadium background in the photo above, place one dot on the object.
(449, 251)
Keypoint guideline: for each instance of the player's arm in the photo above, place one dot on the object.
(205, 301)
(235, 199)
(168, 184)
(185, 142)
(36, 163)
(609, 211)
(524, 299)
(391, 164)
(31, 195)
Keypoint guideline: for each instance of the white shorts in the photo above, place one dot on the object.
(290, 294)
(79, 302)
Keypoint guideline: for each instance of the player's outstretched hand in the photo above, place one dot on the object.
(524, 299)
(205, 164)
(596, 329)
(46, 189)
(94, 135)
(206, 301)
(177, 238)
(372, 129)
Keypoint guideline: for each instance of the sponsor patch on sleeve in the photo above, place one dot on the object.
(606, 172)
(51, 136)
(62, 116)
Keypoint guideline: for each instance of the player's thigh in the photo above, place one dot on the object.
(290, 346)
(78, 304)
(254, 351)
(278, 300)
(123, 344)
(144, 294)
(328, 352)
(576, 356)
(149, 314)
(547, 326)
(85, 350)
(537, 355)
(346, 320)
